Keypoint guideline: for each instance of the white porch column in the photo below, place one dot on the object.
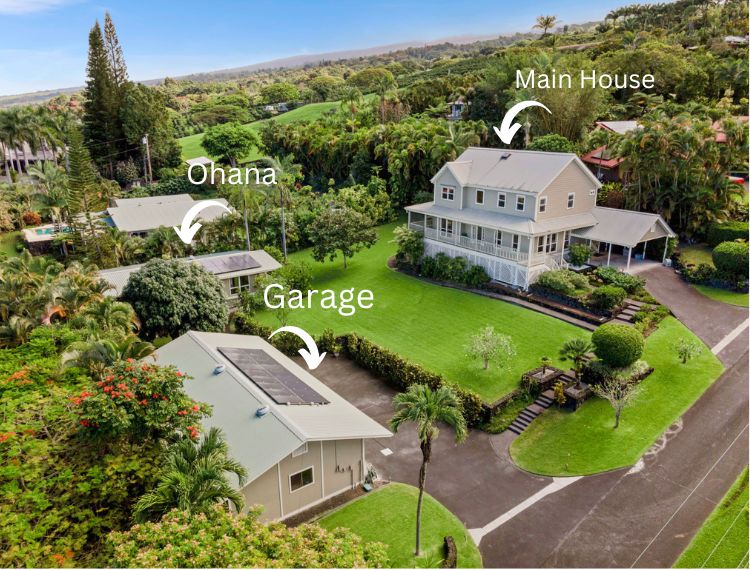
(408, 218)
(609, 253)
(630, 251)
(666, 246)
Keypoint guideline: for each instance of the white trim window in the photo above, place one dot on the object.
(480, 233)
(448, 192)
(239, 284)
(301, 450)
(498, 238)
(542, 204)
(301, 479)
(501, 200)
(540, 244)
(520, 203)
(446, 227)
(566, 240)
(514, 243)
(551, 243)
(479, 198)
(571, 200)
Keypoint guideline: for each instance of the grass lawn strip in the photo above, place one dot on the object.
(388, 515)
(8, 243)
(561, 442)
(722, 541)
(429, 324)
(724, 295)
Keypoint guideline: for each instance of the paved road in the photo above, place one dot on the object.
(643, 516)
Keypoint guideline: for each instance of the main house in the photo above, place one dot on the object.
(300, 442)
(236, 270)
(516, 212)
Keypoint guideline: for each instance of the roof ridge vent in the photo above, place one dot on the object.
(505, 156)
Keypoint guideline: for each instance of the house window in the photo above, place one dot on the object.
(540, 244)
(301, 450)
(501, 200)
(239, 284)
(446, 226)
(480, 197)
(499, 238)
(566, 240)
(571, 200)
(542, 204)
(480, 233)
(520, 203)
(551, 243)
(447, 193)
(514, 245)
(300, 479)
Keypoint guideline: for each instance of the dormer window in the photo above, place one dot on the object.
(571, 200)
(520, 203)
(542, 204)
(479, 199)
(501, 200)
(447, 193)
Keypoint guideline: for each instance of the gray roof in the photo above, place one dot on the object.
(505, 169)
(143, 214)
(259, 443)
(619, 127)
(625, 227)
(223, 264)
(204, 160)
(505, 222)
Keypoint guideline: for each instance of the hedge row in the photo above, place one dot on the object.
(401, 373)
(726, 231)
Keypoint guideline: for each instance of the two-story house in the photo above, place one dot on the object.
(516, 212)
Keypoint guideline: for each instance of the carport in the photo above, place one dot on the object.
(627, 229)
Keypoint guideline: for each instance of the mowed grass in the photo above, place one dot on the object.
(722, 541)
(389, 515)
(697, 254)
(8, 243)
(562, 442)
(191, 146)
(429, 324)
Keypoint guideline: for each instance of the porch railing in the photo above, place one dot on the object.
(470, 243)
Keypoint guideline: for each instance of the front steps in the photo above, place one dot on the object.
(625, 317)
(530, 412)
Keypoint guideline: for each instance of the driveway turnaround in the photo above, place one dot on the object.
(637, 517)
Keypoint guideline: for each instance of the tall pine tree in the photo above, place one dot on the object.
(115, 57)
(83, 185)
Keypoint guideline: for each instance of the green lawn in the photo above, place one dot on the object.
(191, 146)
(388, 515)
(429, 324)
(8, 243)
(722, 540)
(584, 442)
(697, 254)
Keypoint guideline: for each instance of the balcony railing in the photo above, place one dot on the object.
(470, 243)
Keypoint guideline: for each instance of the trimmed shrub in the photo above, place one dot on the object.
(617, 345)
(475, 276)
(731, 259)
(562, 281)
(596, 371)
(726, 231)
(607, 297)
(579, 254)
(701, 274)
(285, 342)
(456, 269)
(614, 276)
(401, 373)
(327, 342)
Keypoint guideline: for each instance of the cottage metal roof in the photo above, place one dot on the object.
(143, 214)
(259, 443)
(224, 264)
(505, 169)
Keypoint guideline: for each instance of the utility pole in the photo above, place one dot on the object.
(147, 161)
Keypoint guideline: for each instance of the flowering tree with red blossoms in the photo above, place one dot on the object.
(137, 400)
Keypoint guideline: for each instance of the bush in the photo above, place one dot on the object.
(551, 143)
(401, 374)
(701, 274)
(607, 297)
(285, 342)
(596, 371)
(579, 254)
(456, 269)
(617, 345)
(731, 259)
(126, 172)
(562, 281)
(327, 342)
(726, 231)
(274, 252)
(475, 276)
(297, 275)
(614, 276)
(31, 218)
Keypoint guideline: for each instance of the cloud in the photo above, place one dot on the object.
(30, 6)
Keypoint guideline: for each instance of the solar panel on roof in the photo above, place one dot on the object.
(281, 385)
(227, 264)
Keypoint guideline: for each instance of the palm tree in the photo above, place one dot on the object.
(575, 351)
(426, 407)
(52, 194)
(351, 99)
(193, 479)
(545, 23)
(108, 316)
(97, 353)
(287, 173)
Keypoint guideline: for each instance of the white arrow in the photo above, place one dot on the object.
(506, 131)
(187, 232)
(311, 355)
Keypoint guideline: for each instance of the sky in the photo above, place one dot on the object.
(43, 43)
